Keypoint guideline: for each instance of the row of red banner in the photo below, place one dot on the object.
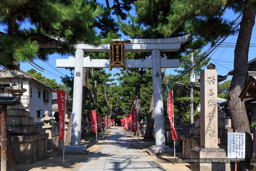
(130, 122)
(96, 121)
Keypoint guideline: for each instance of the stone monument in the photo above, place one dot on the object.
(209, 155)
(47, 124)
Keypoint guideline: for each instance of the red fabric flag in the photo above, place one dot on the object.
(93, 121)
(134, 120)
(129, 117)
(125, 123)
(99, 124)
(105, 122)
(170, 114)
(61, 109)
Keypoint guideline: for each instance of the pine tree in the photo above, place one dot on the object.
(37, 28)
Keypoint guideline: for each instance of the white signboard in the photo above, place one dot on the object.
(236, 145)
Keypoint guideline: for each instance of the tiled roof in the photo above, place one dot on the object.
(11, 74)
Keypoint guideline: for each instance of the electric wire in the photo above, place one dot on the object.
(36, 66)
(210, 50)
(54, 68)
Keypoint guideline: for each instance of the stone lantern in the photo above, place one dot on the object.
(66, 124)
(47, 124)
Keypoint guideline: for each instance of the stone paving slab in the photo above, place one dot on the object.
(116, 154)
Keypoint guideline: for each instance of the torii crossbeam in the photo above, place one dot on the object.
(155, 46)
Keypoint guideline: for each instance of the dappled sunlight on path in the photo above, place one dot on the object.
(117, 154)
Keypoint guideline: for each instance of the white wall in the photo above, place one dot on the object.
(38, 103)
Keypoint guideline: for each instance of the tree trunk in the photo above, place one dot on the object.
(94, 90)
(137, 103)
(150, 122)
(151, 115)
(85, 94)
(137, 107)
(236, 106)
(106, 98)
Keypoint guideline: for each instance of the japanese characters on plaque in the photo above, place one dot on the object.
(211, 104)
(236, 145)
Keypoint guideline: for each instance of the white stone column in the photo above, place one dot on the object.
(77, 98)
(158, 98)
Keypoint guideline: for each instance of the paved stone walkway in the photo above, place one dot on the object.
(116, 154)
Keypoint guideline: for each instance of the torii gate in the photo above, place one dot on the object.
(155, 46)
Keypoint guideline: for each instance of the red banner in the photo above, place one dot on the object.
(99, 124)
(125, 123)
(61, 109)
(122, 122)
(134, 120)
(170, 114)
(93, 121)
(129, 117)
(109, 122)
(105, 122)
(170, 105)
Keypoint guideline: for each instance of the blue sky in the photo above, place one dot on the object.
(222, 57)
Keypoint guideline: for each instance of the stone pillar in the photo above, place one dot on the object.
(159, 146)
(209, 149)
(209, 109)
(77, 98)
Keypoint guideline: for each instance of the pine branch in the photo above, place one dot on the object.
(45, 41)
(108, 6)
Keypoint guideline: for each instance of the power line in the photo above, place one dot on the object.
(35, 67)
(55, 69)
(222, 61)
(210, 50)
(43, 70)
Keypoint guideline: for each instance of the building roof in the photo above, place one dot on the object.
(6, 74)
(251, 66)
(249, 90)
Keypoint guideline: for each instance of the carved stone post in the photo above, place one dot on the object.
(209, 149)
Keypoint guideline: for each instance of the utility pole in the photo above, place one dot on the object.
(192, 80)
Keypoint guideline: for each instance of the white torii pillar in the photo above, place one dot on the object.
(155, 46)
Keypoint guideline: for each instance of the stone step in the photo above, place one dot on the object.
(24, 130)
(20, 121)
(18, 112)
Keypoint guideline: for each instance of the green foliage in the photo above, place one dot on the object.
(128, 81)
(252, 126)
(26, 52)
(38, 28)
(50, 82)
(224, 87)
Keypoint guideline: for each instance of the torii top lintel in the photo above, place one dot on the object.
(141, 45)
(137, 45)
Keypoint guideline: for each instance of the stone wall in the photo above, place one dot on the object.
(29, 149)
(28, 143)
